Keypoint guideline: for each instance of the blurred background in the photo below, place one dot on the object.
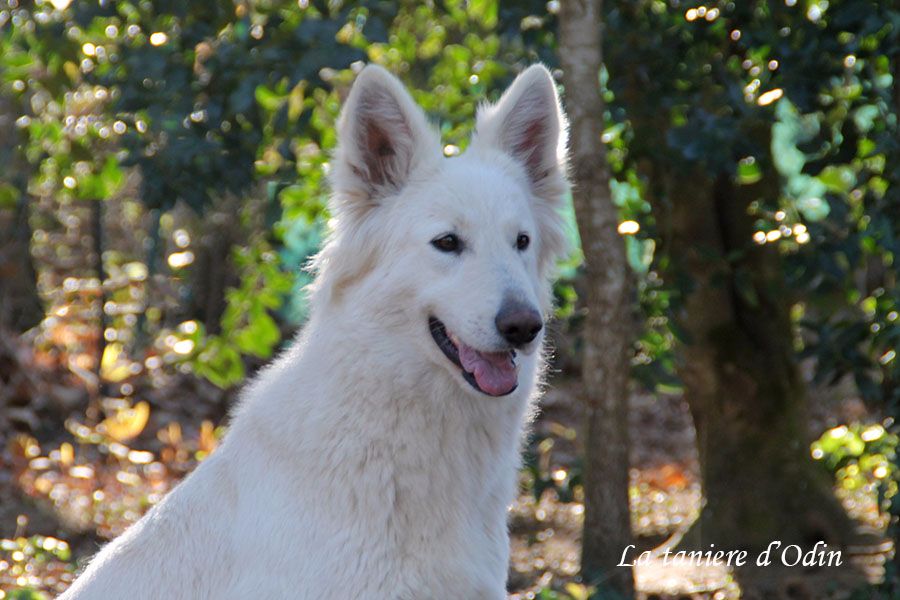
(725, 366)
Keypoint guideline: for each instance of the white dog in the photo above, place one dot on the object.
(377, 457)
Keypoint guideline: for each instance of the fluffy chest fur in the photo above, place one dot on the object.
(333, 486)
(401, 499)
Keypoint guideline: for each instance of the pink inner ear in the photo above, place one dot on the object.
(383, 139)
(377, 141)
(528, 145)
(378, 150)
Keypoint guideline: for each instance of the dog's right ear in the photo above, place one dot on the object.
(382, 136)
(527, 123)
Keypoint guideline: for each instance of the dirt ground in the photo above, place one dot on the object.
(64, 490)
(666, 498)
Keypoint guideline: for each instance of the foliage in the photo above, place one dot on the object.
(573, 591)
(802, 94)
(819, 74)
(210, 97)
(247, 327)
(164, 105)
(213, 97)
(26, 594)
(860, 457)
(24, 557)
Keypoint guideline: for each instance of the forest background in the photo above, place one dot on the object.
(725, 367)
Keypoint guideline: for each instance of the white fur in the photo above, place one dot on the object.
(361, 464)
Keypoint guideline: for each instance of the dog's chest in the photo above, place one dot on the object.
(416, 509)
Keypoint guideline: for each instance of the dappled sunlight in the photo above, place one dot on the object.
(168, 174)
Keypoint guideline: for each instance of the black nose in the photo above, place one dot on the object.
(518, 323)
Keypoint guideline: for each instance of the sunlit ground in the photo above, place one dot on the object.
(100, 482)
(118, 457)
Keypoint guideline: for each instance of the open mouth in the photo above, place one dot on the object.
(491, 373)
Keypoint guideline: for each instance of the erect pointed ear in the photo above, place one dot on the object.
(382, 136)
(528, 124)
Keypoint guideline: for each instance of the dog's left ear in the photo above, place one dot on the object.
(383, 135)
(528, 124)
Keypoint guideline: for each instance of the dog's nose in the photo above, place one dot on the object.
(518, 323)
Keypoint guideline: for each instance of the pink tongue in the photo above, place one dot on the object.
(494, 372)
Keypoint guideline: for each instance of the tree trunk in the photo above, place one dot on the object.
(741, 379)
(20, 305)
(215, 271)
(100, 271)
(607, 302)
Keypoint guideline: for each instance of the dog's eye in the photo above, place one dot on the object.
(448, 243)
(522, 241)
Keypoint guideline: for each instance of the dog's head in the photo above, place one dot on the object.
(456, 253)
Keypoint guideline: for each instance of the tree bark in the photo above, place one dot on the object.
(741, 379)
(20, 305)
(100, 271)
(607, 303)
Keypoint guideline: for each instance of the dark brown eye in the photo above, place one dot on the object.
(522, 241)
(448, 243)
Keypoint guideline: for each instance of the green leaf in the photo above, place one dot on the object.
(26, 594)
(220, 363)
(748, 172)
(837, 179)
(813, 208)
(9, 196)
(639, 253)
(268, 98)
(485, 11)
(260, 335)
